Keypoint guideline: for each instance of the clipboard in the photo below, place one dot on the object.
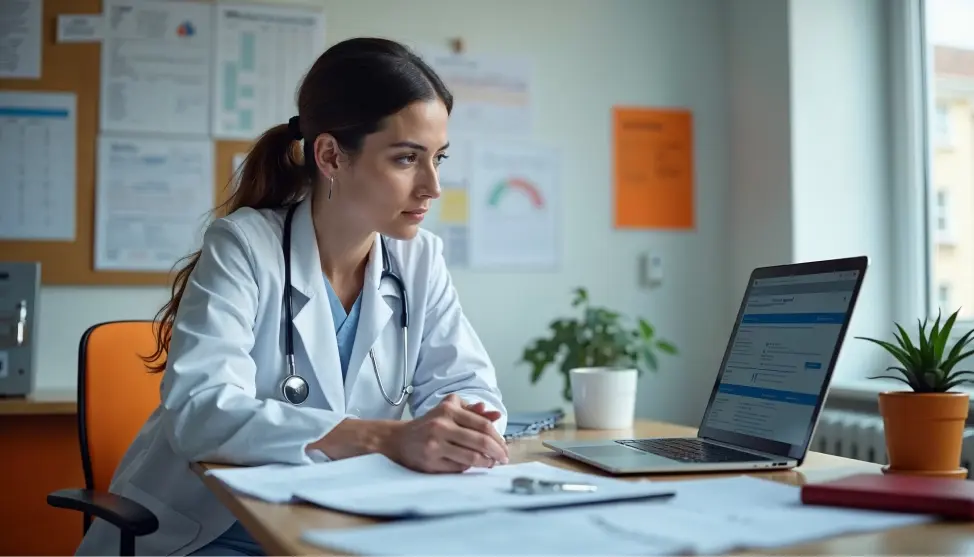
(525, 424)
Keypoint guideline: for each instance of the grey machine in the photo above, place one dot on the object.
(772, 384)
(19, 289)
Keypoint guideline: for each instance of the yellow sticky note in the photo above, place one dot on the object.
(453, 206)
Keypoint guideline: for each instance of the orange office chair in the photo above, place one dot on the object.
(116, 394)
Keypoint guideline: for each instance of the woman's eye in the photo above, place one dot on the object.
(407, 159)
(441, 157)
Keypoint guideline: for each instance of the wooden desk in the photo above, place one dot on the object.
(47, 403)
(39, 444)
(278, 527)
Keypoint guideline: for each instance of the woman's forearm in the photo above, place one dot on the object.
(353, 437)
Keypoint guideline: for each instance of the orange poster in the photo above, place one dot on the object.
(653, 166)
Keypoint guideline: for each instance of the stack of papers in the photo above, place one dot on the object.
(494, 533)
(472, 492)
(709, 516)
(373, 485)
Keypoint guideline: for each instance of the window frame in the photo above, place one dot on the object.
(913, 148)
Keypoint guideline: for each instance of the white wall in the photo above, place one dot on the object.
(760, 199)
(810, 127)
(588, 56)
(842, 184)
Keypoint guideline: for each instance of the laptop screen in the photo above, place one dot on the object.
(780, 359)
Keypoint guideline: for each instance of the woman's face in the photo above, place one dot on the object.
(388, 186)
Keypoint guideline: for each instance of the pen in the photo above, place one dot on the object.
(530, 486)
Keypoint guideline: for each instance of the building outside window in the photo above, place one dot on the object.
(948, 83)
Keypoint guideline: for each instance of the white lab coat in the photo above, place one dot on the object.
(221, 397)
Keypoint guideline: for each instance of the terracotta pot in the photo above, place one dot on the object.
(924, 431)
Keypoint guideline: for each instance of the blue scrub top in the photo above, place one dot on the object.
(345, 325)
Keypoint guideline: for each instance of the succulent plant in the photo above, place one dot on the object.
(926, 363)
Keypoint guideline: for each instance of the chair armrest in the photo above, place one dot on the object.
(124, 513)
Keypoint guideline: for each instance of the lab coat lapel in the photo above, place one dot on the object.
(374, 317)
(313, 321)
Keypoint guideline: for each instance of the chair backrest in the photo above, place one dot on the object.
(116, 394)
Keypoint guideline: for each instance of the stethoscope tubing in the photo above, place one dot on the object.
(292, 379)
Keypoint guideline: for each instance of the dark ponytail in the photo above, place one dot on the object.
(348, 93)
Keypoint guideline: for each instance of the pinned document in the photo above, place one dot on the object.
(37, 161)
(155, 78)
(653, 168)
(493, 95)
(514, 206)
(152, 200)
(20, 38)
(262, 54)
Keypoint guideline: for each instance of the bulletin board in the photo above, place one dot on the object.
(75, 67)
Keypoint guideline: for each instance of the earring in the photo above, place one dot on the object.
(331, 184)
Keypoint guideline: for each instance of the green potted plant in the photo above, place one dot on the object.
(601, 358)
(924, 424)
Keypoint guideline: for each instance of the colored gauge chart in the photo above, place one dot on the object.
(513, 207)
(516, 196)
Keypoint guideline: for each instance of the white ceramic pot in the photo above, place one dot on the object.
(604, 398)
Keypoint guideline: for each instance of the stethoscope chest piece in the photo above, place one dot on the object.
(295, 389)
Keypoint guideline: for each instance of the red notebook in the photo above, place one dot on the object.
(949, 498)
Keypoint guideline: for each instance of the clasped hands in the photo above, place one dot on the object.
(451, 437)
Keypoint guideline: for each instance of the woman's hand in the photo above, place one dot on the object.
(450, 438)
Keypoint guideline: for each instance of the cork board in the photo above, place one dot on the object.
(76, 67)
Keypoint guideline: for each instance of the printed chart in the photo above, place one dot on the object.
(514, 207)
(262, 54)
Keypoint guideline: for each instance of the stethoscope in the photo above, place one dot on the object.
(294, 388)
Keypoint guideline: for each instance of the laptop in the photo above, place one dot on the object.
(772, 383)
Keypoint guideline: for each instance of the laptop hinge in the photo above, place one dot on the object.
(745, 449)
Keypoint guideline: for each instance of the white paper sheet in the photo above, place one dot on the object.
(262, 54)
(707, 516)
(37, 166)
(277, 483)
(493, 533)
(726, 514)
(155, 67)
(514, 203)
(81, 28)
(492, 95)
(153, 199)
(481, 491)
(20, 38)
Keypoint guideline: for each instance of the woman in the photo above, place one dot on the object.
(346, 184)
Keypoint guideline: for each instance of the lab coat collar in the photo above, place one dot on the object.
(313, 320)
(306, 274)
(378, 299)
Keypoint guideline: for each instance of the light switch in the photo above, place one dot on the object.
(650, 270)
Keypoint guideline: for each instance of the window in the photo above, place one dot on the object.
(941, 125)
(942, 213)
(947, 83)
(943, 297)
(942, 226)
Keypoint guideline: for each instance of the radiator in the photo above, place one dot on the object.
(860, 436)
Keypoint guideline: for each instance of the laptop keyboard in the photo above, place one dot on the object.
(691, 450)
